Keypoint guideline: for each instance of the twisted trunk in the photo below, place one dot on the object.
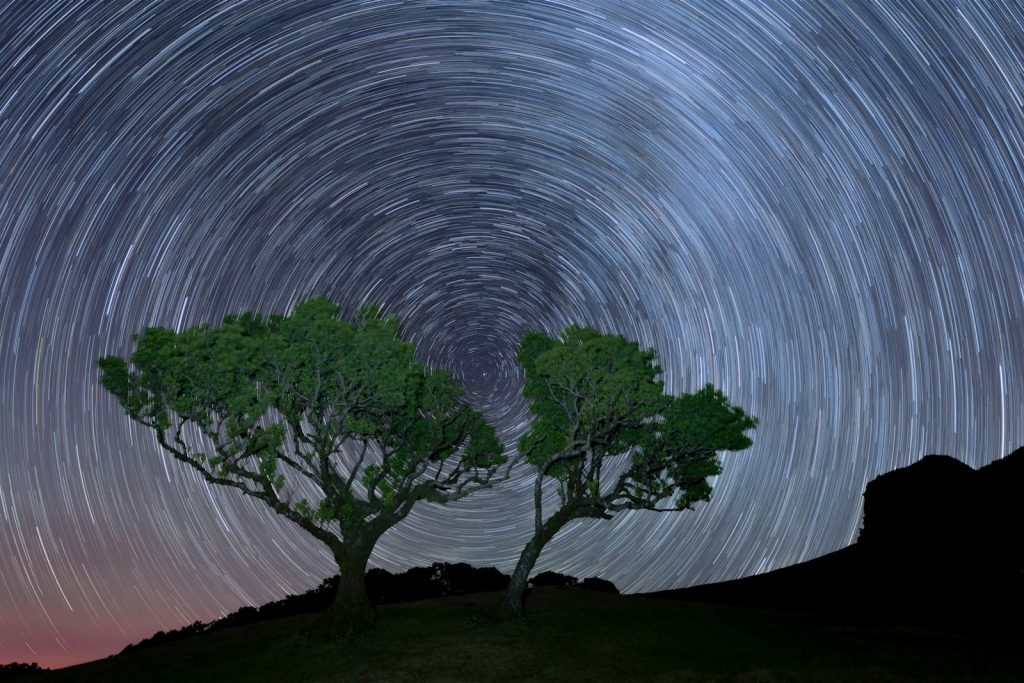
(513, 601)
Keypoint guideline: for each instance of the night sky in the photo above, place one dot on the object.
(818, 208)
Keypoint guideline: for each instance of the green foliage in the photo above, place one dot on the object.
(588, 389)
(596, 397)
(679, 452)
(343, 404)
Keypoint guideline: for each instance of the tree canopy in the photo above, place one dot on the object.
(333, 424)
(609, 437)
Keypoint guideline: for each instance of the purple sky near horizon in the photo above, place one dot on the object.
(818, 206)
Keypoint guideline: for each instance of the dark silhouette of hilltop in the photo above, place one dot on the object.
(419, 583)
(439, 580)
(940, 541)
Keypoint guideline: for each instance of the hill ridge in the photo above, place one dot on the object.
(940, 539)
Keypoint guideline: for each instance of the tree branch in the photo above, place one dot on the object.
(264, 494)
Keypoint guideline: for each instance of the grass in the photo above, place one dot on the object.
(569, 635)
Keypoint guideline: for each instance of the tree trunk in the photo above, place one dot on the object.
(513, 600)
(351, 612)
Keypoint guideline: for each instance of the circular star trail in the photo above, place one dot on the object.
(817, 206)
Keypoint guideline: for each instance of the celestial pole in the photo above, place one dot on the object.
(817, 206)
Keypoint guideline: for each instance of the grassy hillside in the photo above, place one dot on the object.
(569, 635)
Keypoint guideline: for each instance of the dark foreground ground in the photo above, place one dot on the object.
(574, 635)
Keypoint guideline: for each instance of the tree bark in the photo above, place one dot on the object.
(513, 601)
(351, 612)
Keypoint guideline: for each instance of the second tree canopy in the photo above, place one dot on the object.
(610, 438)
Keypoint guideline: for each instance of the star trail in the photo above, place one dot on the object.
(818, 206)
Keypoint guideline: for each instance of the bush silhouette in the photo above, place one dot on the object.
(18, 669)
(553, 579)
(595, 584)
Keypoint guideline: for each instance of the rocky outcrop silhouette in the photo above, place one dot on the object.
(939, 540)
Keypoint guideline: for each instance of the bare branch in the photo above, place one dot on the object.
(354, 472)
(265, 494)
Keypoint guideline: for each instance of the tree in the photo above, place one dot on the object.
(610, 439)
(332, 424)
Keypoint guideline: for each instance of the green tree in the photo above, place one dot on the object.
(333, 424)
(610, 438)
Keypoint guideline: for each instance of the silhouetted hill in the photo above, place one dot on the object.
(940, 540)
(569, 635)
(441, 579)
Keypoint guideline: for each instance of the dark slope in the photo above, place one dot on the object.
(441, 579)
(940, 540)
(570, 636)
